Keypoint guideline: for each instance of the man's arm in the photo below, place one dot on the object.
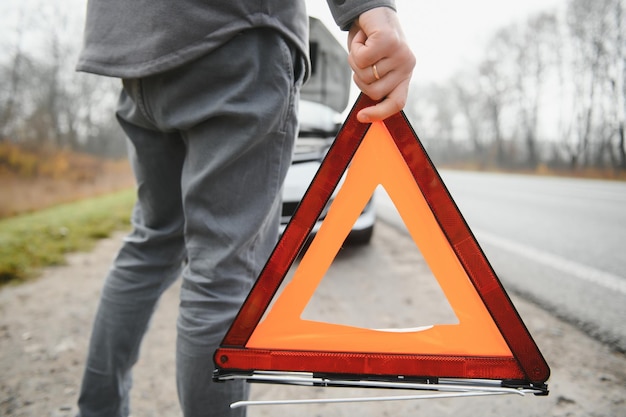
(378, 54)
(382, 62)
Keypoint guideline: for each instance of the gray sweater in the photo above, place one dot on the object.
(136, 38)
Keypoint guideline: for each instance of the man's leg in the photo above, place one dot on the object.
(236, 110)
(148, 262)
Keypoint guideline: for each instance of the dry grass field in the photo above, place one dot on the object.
(31, 180)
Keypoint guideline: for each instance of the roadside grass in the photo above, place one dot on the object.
(31, 241)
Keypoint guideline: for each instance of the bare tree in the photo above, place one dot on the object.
(549, 74)
(536, 55)
(470, 102)
(589, 28)
(619, 84)
(495, 80)
(93, 101)
(43, 101)
(11, 74)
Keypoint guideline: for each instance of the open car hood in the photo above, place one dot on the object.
(330, 80)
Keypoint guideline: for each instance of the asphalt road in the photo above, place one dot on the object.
(45, 324)
(559, 242)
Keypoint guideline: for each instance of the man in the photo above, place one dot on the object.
(209, 105)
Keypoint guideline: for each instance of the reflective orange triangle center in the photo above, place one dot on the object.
(490, 339)
(378, 161)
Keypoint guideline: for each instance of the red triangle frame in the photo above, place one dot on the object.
(526, 363)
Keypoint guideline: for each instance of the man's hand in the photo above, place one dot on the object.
(382, 62)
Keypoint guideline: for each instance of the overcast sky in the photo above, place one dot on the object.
(446, 34)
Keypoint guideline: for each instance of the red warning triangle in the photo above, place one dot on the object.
(489, 342)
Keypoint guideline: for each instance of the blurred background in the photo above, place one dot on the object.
(501, 88)
(534, 86)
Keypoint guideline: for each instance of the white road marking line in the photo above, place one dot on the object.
(595, 276)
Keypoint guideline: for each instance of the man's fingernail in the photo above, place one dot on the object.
(363, 118)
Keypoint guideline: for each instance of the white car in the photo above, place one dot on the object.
(318, 127)
(323, 98)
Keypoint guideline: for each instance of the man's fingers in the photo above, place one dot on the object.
(389, 106)
(381, 61)
(372, 73)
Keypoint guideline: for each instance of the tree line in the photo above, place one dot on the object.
(44, 102)
(548, 92)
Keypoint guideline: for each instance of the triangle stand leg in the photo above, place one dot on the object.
(443, 388)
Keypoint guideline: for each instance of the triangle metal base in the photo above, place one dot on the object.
(437, 388)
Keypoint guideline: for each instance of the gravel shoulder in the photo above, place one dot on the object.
(45, 324)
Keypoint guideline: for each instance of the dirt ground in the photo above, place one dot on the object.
(45, 324)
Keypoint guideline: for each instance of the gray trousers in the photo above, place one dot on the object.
(210, 144)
